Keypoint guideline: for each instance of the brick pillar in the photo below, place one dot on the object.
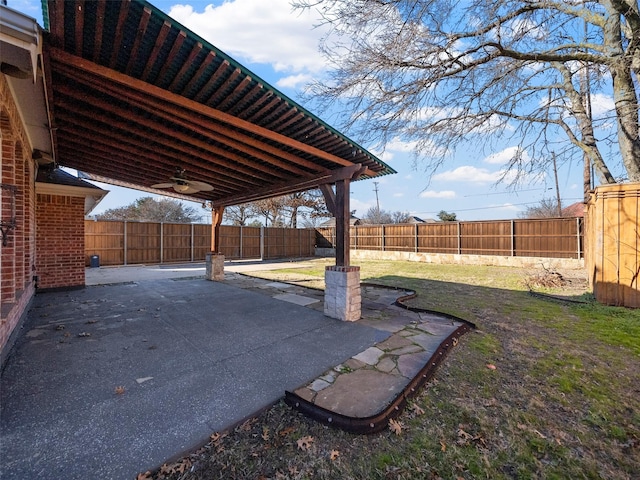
(342, 297)
(215, 266)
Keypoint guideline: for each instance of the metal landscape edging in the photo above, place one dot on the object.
(380, 421)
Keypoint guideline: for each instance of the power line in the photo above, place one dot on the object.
(506, 193)
(495, 206)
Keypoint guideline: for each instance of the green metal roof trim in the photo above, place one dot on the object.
(188, 65)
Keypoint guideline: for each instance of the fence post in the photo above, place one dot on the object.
(459, 240)
(192, 242)
(382, 237)
(513, 239)
(241, 241)
(299, 244)
(161, 242)
(578, 236)
(125, 243)
(416, 239)
(261, 243)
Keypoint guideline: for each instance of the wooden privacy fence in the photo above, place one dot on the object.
(552, 238)
(126, 243)
(613, 244)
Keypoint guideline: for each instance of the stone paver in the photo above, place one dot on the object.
(410, 365)
(370, 356)
(361, 393)
(394, 342)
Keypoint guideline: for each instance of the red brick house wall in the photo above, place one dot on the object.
(17, 258)
(60, 241)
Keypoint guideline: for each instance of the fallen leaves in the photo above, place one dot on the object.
(465, 438)
(120, 390)
(491, 366)
(395, 426)
(304, 443)
(180, 467)
(333, 455)
(144, 476)
(416, 409)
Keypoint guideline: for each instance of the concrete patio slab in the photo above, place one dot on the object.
(113, 380)
(296, 299)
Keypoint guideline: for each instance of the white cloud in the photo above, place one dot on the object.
(398, 195)
(506, 206)
(385, 156)
(398, 145)
(468, 173)
(294, 81)
(435, 194)
(601, 104)
(504, 156)
(259, 32)
(360, 207)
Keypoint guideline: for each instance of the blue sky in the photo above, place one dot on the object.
(281, 46)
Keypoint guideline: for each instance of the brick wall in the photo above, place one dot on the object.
(60, 241)
(17, 258)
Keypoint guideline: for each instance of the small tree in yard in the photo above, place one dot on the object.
(439, 73)
(447, 217)
(147, 209)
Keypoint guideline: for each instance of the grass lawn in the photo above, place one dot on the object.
(563, 401)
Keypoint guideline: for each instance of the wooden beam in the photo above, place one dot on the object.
(197, 48)
(293, 186)
(171, 134)
(117, 41)
(200, 95)
(343, 214)
(329, 198)
(198, 75)
(142, 29)
(216, 220)
(99, 30)
(162, 35)
(191, 123)
(175, 48)
(79, 26)
(163, 97)
(120, 135)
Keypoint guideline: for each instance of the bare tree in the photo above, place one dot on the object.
(442, 72)
(272, 209)
(400, 217)
(547, 208)
(239, 215)
(309, 205)
(148, 209)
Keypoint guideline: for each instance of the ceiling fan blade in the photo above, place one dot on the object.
(185, 189)
(202, 186)
(163, 185)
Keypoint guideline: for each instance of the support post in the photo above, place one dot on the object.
(342, 295)
(343, 215)
(214, 259)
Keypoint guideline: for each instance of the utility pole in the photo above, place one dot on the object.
(555, 173)
(375, 189)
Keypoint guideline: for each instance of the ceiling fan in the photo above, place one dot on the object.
(181, 184)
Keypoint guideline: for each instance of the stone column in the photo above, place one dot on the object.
(215, 266)
(342, 297)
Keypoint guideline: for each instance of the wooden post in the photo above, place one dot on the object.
(216, 221)
(343, 215)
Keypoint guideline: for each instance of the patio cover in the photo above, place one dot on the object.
(134, 96)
